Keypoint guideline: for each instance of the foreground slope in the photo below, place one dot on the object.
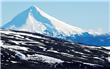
(27, 50)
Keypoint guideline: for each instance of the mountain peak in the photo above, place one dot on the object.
(34, 19)
(52, 25)
(33, 7)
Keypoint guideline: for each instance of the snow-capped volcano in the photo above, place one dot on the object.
(35, 20)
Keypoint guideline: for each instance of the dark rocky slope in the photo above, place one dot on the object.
(27, 50)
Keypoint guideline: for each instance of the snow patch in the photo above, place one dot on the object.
(107, 47)
(108, 59)
(15, 47)
(43, 58)
(20, 55)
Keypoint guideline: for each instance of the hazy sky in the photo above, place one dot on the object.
(92, 14)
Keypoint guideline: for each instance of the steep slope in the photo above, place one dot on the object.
(27, 50)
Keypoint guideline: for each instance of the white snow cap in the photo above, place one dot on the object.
(63, 27)
(60, 25)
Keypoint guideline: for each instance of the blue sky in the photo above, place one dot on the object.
(92, 14)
